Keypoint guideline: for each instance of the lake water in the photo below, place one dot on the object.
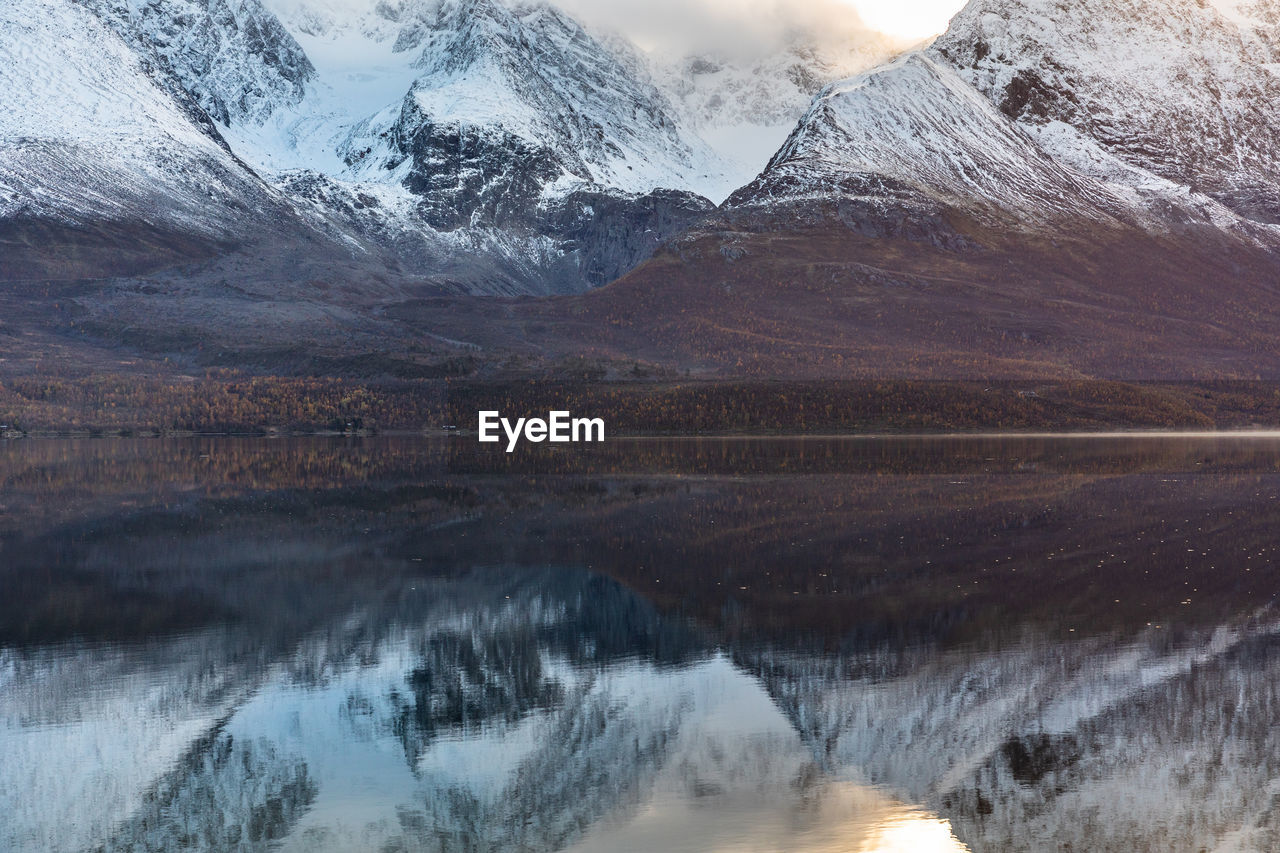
(908, 645)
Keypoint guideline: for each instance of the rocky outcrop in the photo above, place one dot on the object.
(233, 57)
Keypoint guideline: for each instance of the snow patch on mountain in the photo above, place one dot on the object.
(359, 81)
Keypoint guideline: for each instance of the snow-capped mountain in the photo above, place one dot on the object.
(182, 127)
(492, 146)
(437, 148)
(1152, 113)
(913, 134)
(582, 113)
(1187, 90)
(493, 75)
(676, 120)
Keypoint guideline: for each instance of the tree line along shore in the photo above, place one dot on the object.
(223, 402)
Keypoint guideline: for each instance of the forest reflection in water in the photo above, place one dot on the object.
(783, 644)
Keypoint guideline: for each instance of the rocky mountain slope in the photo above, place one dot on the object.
(1187, 91)
(233, 56)
(1161, 115)
(104, 156)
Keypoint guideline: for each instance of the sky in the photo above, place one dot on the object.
(667, 23)
(908, 18)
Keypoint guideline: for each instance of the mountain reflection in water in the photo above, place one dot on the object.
(803, 645)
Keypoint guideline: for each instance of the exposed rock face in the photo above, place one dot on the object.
(465, 176)
(234, 57)
(610, 233)
(520, 125)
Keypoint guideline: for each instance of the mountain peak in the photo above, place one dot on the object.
(533, 73)
(913, 133)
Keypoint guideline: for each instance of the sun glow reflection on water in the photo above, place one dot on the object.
(914, 833)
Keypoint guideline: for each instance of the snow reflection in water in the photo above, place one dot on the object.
(455, 658)
(204, 754)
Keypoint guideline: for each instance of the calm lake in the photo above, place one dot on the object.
(402, 644)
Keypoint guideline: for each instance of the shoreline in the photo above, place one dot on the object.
(1269, 434)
